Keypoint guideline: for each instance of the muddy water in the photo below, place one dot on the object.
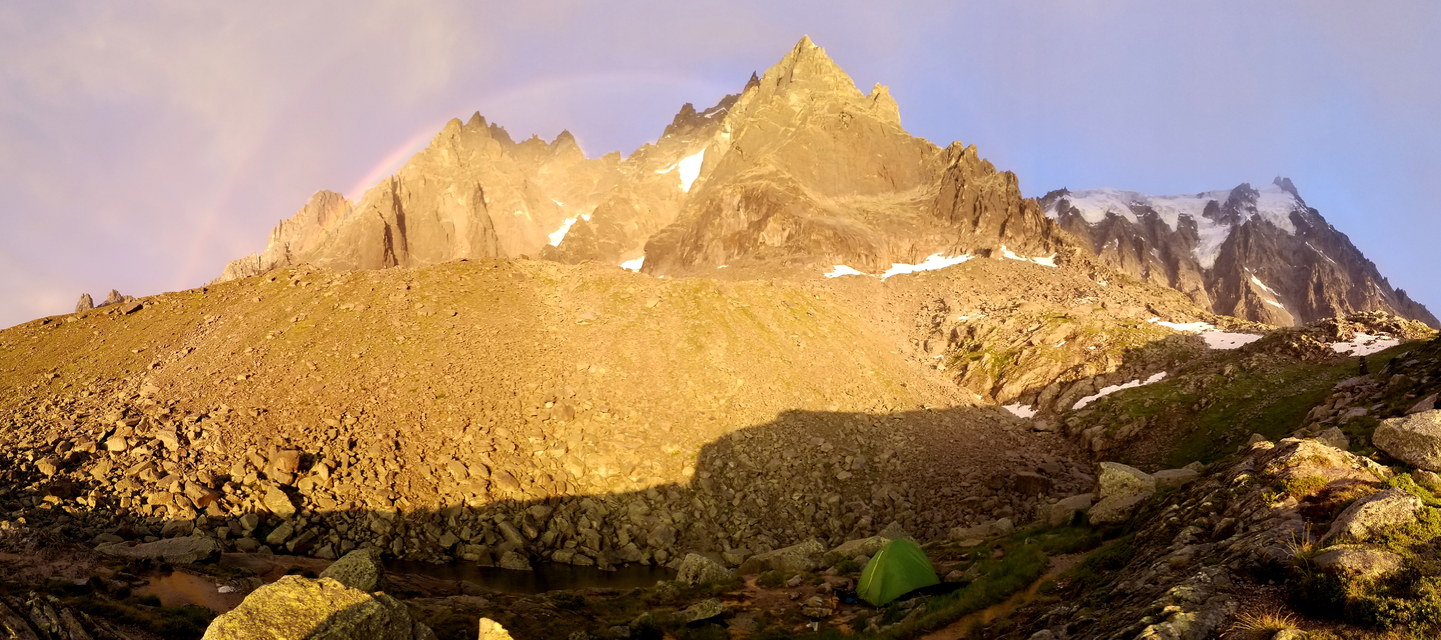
(177, 589)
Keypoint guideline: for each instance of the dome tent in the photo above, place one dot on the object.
(898, 568)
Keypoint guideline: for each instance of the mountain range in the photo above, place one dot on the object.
(800, 172)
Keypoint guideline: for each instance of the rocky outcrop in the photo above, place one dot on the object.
(1259, 254)
(1414, 439)
(85, 303)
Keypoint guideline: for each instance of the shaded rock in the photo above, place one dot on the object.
(514, 560)
(698, 569)
(1122, 489)
(187, 550)
(1358, 563)
(1170, 478)
(1369, 515)
(359, 569)
(296, 607)
(85, 303)
(1334, 437)
(1065, 510)
(1413, 439)
(799, 557)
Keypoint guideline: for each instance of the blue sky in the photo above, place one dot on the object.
(143, 147)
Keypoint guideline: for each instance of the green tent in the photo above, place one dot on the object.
(898, 568)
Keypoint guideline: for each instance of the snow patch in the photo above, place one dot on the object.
(1225, 340)
(633, 264)
(1257, 281)
(1045, 261)
(1364, 344)
(1021, 410)
(843, 270)
(931, 263)
(559, 234)
(690, 169)
(1214, 338)
(1106, 391)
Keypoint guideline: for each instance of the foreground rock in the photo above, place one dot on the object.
(296, 607)
(1122, 489)
(1414, 439)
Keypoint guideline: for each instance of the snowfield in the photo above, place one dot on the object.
(1273, 205)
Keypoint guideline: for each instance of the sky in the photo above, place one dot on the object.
(145, 144)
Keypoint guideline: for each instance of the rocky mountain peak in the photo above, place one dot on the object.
(807, 69)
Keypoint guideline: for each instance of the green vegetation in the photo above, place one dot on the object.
(146, 613)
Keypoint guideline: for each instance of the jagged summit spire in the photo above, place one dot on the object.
(808, 67)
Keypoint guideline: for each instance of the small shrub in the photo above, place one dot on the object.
(847, 566)
(771, 579)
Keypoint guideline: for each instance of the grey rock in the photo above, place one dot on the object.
(359, 569)
(1414, 439)
(1369, 515)
(1171, 478)
(698, 569)
(1334, 437)
(85, 303)
(1357, 562)
(799, 557)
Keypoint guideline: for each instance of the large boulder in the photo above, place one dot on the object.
(1369, 515)
(1413, 439)
(798, 557)
(698, 569)
(359, 569)
(1353, 562)
(1122, 489)
(322, 609)
(186, 550)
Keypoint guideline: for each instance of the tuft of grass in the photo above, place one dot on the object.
(1261, 624)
